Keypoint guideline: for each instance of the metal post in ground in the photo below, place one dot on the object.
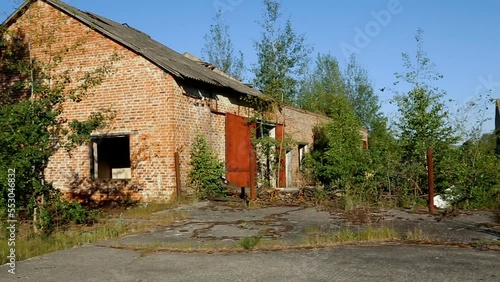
(177, 176)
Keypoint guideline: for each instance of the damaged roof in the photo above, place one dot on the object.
(167, 59)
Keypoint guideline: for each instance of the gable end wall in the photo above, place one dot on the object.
(139, 92)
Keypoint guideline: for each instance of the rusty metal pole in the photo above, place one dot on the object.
(177, 176)
(252, 173)
(430, 178)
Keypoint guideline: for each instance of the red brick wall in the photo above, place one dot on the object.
(299, 123)
(203, 116)
(299, 126)
(149, 105)
(139, 92)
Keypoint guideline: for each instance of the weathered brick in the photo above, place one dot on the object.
(150, 106)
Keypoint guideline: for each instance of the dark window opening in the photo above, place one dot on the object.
(263, 130)
(110, 158)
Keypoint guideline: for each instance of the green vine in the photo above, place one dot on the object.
(269, 149)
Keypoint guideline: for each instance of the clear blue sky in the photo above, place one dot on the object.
(462, 37)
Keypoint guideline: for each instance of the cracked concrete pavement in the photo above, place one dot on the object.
(349, 263)
(225, 223)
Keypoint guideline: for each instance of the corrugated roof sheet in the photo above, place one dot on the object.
(141, 43)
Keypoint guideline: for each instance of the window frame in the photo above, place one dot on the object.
(95, 142)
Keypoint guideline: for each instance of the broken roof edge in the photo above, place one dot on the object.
(212, 67)
(318, 115)
(180, 68)
(293, 108)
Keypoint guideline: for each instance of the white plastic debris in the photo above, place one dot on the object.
(440, 202)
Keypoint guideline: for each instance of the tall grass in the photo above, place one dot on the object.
(138, 219)
(31, 245)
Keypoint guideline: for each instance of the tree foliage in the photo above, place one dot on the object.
(423, 116)
(472, 169)
(34, 127)
(476, 175)
(282, 56)
(322, 87)
(395, 164)
(327, 80)
(359, 91)
(336, 158)
(219, 50)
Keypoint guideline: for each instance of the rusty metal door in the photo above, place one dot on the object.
(241, 164)
(280, 135)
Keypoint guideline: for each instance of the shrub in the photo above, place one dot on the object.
(55, 212)
(206, 171)
(337, 158)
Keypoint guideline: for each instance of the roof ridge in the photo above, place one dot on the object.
(141, 43)
(210, 66)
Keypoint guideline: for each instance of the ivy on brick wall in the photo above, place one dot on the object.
(33, 92)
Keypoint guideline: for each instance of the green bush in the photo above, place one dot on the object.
(474, 174)
(337, 157)
(206, 170)
(56, 212)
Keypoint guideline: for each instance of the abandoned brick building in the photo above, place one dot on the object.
(162, 100)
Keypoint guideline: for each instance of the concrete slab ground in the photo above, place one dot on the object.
(227, 223)
(210, 223)
(349, 263)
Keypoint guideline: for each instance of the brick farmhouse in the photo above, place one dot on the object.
(162, 99)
